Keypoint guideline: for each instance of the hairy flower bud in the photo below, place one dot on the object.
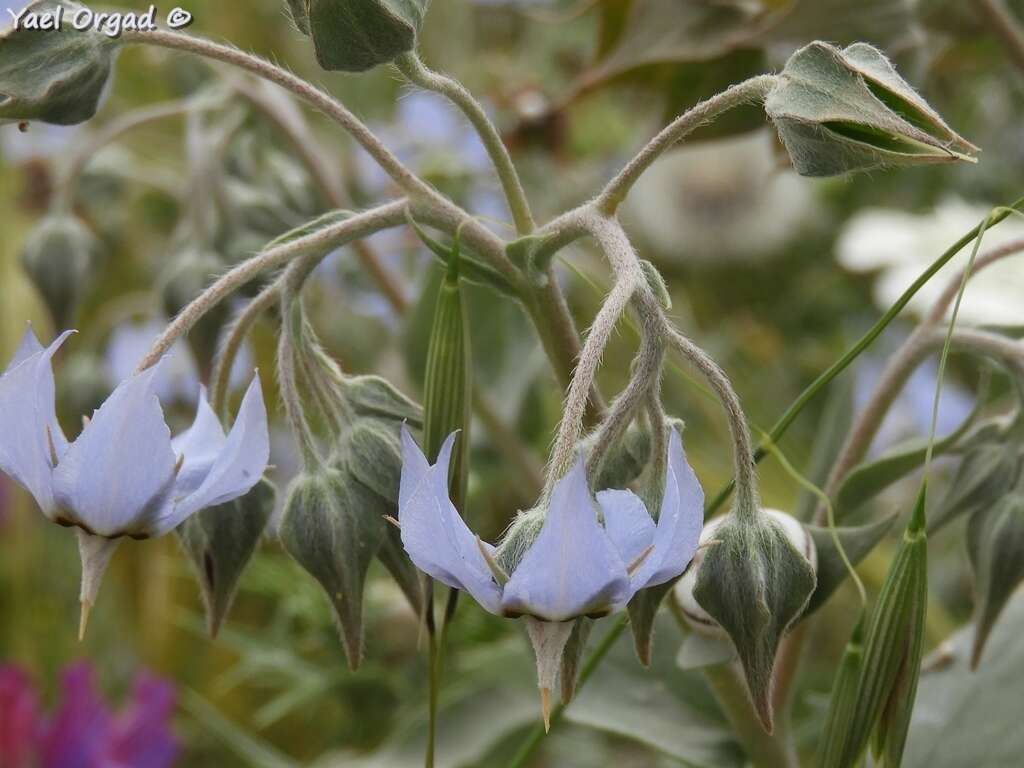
(54, 75)
(220, 541)
(373, 454)
(848, 110)
(376, 397)
(356, 35)
(60, 257)
(333, 526)
(751, 580)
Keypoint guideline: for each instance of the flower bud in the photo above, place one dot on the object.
(752, 580)
(191, 273)
(625, 459)
(995, 543)
(60, 257)
(333, 526)
(448, 378)
(55, 76)
(220, 541)
(356, 35)
(848, 110)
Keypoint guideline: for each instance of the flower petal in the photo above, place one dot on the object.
(28, 421)
(197, 448)
(238, 467)
(116, 475)
(434, 535)
(627, 522)
(679, 522)
(28, 346)
(572, 568)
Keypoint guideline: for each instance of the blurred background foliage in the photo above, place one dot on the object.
(750, 254)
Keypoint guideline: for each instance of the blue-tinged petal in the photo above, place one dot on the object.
(117, 474)
(572, 569)
(30, 437)
(628, 523)
(434, 534)
(29, 346)
(240, 464)
(197, 448)
(679, 522)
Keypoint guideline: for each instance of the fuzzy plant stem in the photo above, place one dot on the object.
(898, 370)
(417, 73)
(361, 225)
(748, 92)
(279, 110)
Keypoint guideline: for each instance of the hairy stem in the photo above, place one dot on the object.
(898, 370)
(231, 343)
(752, 90)
(419, 74)
(319, 164)
(1005, 27)
(361, 225)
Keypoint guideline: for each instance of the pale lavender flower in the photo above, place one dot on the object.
(123, 475)
(589, 559)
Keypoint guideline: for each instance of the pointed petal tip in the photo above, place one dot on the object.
(545, 708)
(83, 621)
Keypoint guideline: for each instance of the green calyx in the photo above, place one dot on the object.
(60, 256)
(755, 584)
(357, 35)
(848, 110)
(55, 76)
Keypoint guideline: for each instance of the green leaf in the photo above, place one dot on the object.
(967, 718)
(995, 544)
(986, 473)
(220, 542)
(55, 76)
(857, 543)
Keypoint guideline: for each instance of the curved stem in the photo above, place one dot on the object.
(275, 107)
(361, 225)
(752, 90)
(231, 343)
(897, 371)
(321, 100)
(419, 74)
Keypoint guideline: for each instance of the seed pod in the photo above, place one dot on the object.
(220, 542)
(190, 274)
(892, 653)
(55, 76)
(356, 35)
(843, 699)
(333, 526)
(754, 584)
(60, 258)
(995, 544)
(848, 110)
(448, 379)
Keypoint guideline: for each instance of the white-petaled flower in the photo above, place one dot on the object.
(899, 246)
